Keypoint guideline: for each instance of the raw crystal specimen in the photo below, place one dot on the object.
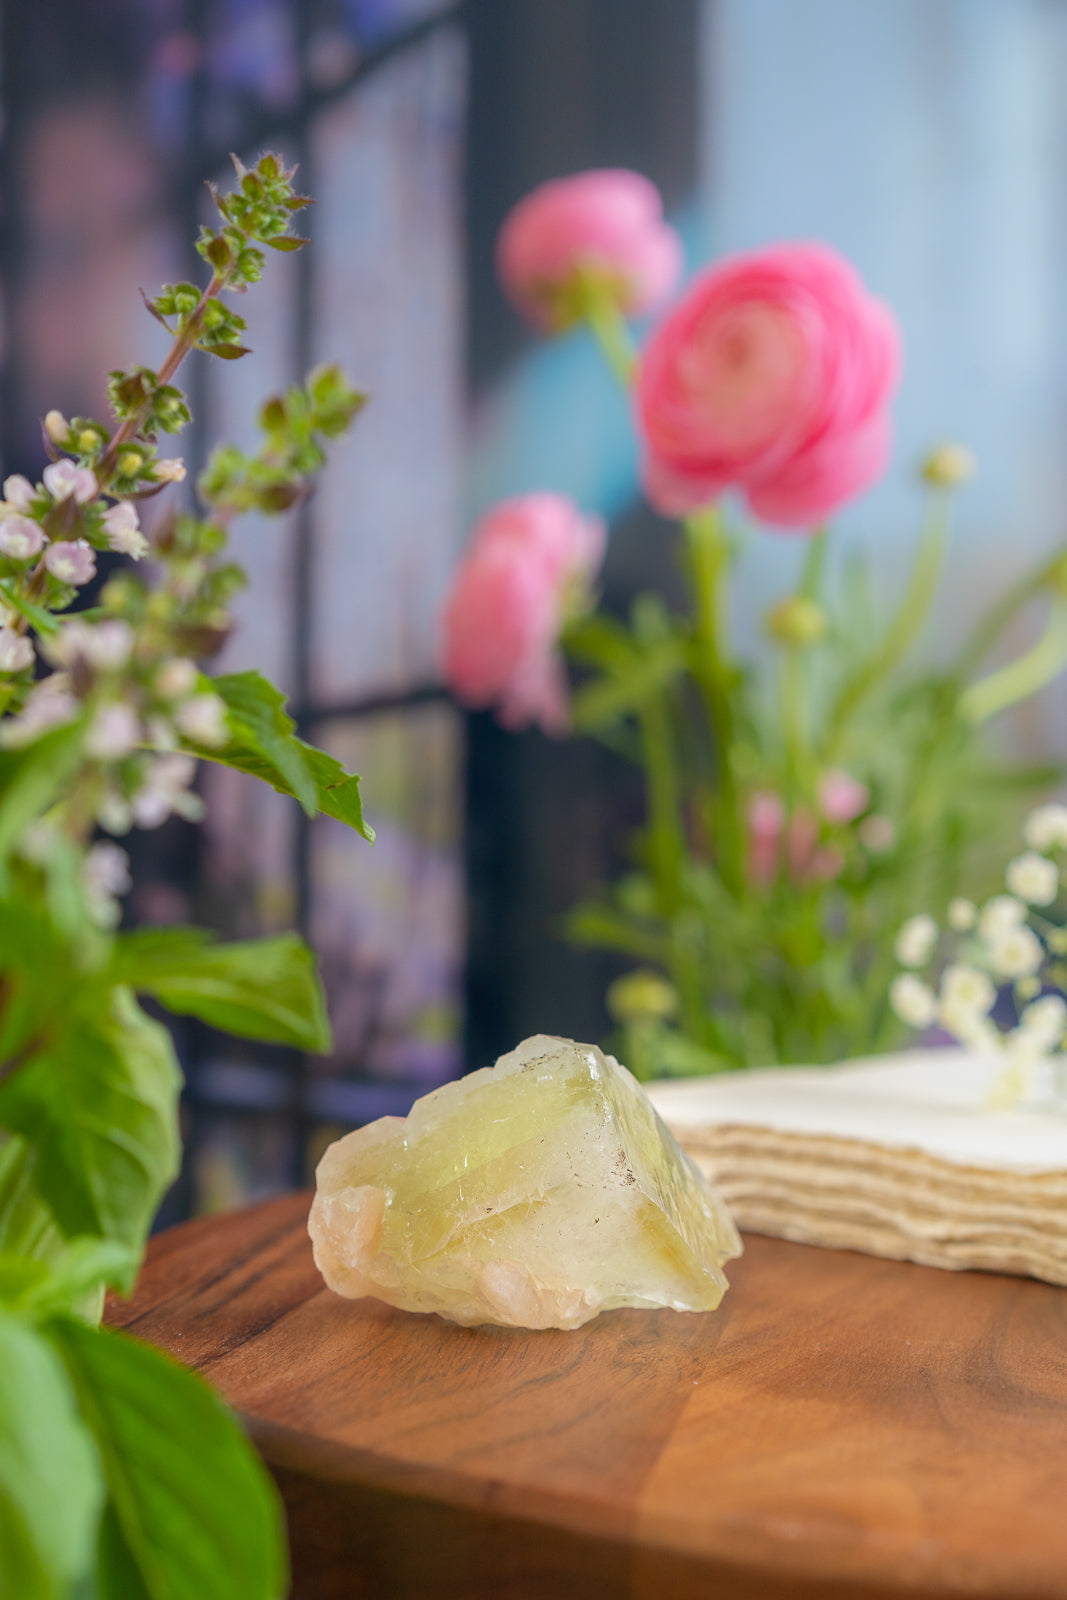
(534, 1193)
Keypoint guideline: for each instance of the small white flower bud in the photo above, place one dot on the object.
(114, 814)
(203, 720)
(176, 678)
(63, 479)
(962, 914)
(107, 869)
(123, 530)
(114, 733)
(912, 1000)
(967, 988)
(1046, 828)
(1033, 878)
(16, 651)
(56, 426)
(71, 560)
(916, 940)
(20, 537)
(999, 915)
(170, 471)
(18, 492)
(1016, 953)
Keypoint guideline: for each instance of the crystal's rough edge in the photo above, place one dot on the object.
(535, 1193)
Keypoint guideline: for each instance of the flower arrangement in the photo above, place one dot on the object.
(120, 1472)
(793, 813)
(1001, 993)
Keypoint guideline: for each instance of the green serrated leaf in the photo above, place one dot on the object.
(259, 723)
(265, 746)
(99, 1104)
(31, 780)
(51, 1483)
(198, 1516)
(261, 989)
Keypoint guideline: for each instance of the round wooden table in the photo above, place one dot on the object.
(841, 1427)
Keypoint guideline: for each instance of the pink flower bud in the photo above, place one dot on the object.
(20, 538)
(123, 530)
(766, 823)
(607, 224)
(63, 479)
(530, 559)
(16, 651)
(842, 798)
(19, 492)
(773, 375)
(71, 561)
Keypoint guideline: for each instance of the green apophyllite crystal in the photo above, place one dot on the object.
(534, 1193)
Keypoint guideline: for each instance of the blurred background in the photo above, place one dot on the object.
(925, 139)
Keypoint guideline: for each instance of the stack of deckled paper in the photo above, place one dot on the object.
(897, 1156)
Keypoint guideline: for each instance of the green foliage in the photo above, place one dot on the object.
(263, 743)
(122, 1477)
(97, 1097)
(791, 961)
(263, 989)
(186, 1533)
(51, 1484)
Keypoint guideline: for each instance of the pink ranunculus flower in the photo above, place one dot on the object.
(773, 376)
(531, 559)
(607, 223)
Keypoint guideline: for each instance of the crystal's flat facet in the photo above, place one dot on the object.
(535, 1193)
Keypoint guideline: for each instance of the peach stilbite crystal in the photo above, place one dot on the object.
(535, 1193)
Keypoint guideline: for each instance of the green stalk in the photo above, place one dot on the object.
(992, 625)
(1022, 677)
(611, 332)
(908, 619)
(708, 570)
(814, 566)
(667, 855)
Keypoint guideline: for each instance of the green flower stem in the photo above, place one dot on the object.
(610, 330)
(667, 854)
(37, 580)
(793, 681)
(181, 347)
(814, 565)
(1022, 677)
(708, 568)
(908, 619)
(1004, 611)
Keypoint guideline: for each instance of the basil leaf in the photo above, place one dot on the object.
(264, 744)
(51, 1484)
(198, 1516)
(99, 1103)
(260, 988)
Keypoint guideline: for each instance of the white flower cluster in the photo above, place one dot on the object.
(1011, 942)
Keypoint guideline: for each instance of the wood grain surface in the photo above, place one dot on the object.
(842, 1427)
